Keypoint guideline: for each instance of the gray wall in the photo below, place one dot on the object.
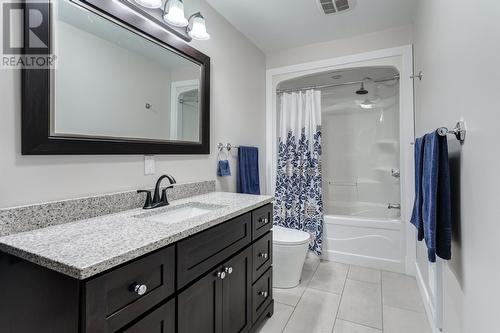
(238, 116)
(458, 49)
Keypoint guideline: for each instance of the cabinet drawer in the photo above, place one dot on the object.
(161, 320)
(116, 298)
(262, 294)
(262, 255)
(201, 252)
(262, 221)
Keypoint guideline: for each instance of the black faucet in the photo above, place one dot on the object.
(158, 201)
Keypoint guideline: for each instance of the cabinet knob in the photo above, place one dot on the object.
(221, 275)
(264, 220)
(263, 294)
(228, 270)
(263, 255)
(139, 289)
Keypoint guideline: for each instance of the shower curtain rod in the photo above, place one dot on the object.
(280, 91)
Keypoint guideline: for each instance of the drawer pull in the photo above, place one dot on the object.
(263, 294)
(139, 289)
(264, 220)
(228, 270)
(221, 275)
(263, 255)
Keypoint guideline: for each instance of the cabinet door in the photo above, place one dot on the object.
(236, 293)
(162, 320)
(200, 306)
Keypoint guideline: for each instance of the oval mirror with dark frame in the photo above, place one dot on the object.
(121, 84)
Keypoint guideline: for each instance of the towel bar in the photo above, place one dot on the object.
(459, 131)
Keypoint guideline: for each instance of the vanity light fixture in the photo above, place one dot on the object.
(149, 3)
(197, 28)
(173, 13)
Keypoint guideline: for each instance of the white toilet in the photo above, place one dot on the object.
(289, 251)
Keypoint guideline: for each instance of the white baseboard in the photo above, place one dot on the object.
(361, 260)
(426, 299)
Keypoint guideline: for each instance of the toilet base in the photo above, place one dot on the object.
(288, 263)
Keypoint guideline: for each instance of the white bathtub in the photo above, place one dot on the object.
(361, 233)
(362, 209)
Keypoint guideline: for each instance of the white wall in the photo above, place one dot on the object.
(341, 47)
(457, 46)
(237, 116)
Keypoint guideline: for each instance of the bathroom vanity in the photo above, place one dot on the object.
(202, 264)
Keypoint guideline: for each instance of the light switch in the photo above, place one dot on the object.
(149, 165)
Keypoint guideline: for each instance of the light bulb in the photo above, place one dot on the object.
(198, 29)
(174, 13)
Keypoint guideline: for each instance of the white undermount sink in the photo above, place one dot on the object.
(181, 213)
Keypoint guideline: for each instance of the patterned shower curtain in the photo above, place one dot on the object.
(299, 201)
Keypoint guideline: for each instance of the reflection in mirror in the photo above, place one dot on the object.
(111, 82)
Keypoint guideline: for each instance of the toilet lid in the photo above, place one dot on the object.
(286, 236)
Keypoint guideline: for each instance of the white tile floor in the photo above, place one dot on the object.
(338, 298)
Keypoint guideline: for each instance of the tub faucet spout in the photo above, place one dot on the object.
(394, 206)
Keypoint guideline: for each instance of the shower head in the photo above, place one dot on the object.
(362, 90)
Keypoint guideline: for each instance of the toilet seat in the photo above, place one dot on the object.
(286, 236)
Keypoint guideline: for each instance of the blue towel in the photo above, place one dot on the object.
(223, 168)
(248, 170)
(436, 197)
(416, 217)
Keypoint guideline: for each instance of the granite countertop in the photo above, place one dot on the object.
(85, 248)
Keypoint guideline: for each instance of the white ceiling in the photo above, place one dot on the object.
(280, 24)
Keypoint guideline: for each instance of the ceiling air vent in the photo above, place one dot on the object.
(335, 6)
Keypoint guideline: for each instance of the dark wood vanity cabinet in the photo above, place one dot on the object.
(114, 297)
(161, 320)
(221, 300)
(215, 281)
(236, 294)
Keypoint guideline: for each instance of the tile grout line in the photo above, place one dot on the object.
(382, 298)
(364, 325)
(305, 288)
(359, 324)
(359, 280)
(341, 296)
(325, 291)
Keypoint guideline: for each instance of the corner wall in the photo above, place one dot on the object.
(237, 116)
(458, 49)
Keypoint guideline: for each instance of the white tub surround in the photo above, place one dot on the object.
(366, 141)
(85, 248)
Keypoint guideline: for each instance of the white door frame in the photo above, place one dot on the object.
(407, 132)
(177, 88)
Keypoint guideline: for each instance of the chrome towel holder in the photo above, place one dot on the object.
(228, 146)
(459, 131)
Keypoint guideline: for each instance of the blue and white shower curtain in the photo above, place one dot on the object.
(299, 202)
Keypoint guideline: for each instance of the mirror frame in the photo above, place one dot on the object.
(36, 96)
